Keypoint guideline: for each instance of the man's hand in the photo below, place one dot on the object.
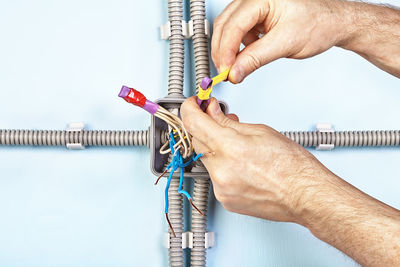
(300, 29)
(259, 172)
(255, 170)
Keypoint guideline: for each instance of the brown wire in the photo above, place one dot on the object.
(170, 225)
(194, 206)
(158, 179)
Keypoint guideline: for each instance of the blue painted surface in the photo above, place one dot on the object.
(64, 61)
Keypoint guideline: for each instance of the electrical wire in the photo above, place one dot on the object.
(174, 123)
(174, 165)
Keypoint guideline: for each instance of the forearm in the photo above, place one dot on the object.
(373, 32)
(362, 227)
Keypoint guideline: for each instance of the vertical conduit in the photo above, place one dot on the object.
(200, 41)
(199, 222)
(176, 257)
(175, 89)
(176, 49)
(201, 186)
(176, 217)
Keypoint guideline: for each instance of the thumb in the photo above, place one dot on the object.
(230, 120)
(259, 53)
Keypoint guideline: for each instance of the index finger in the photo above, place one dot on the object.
(243, 19)
(217, 30)
(199, 124)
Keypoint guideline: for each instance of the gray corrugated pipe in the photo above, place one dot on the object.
(84, 137)
(175, 214)
(200, 41)
(199, 222)
(175, 88)
(201, 186)
(346, 138)
(141, 138)
(176, 49)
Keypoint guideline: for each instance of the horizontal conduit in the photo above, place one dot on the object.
(84, 137)
(141, 138)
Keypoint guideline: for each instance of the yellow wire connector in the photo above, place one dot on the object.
(207, 84)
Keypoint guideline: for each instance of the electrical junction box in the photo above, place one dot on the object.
(158, 136)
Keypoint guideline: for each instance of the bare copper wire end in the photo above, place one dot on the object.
(158, 179)
(194, 206)
(170, 225)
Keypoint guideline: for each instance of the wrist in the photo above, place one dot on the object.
(315, 197)
(364, 23)
(346, 23)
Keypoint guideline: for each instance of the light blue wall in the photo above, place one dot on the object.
(64, 61)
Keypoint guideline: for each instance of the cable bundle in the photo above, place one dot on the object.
(180, 149)
(175, 124)
(174, 165)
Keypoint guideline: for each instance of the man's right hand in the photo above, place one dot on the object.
(300, 29)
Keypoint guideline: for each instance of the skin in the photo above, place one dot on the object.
(300, 29)
(280, 180)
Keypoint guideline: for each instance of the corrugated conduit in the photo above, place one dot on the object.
(141, 138)
(176, 49)
(201, 186)
(200, 41)
(62, 138)
(175, 89)
(346, 138)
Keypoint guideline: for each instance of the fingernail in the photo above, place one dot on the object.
(236, 73)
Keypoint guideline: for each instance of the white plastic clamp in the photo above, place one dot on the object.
(187, 29)
(75, 127)
(165, 30)
(325, 128)
(187, 240)
(191, 28)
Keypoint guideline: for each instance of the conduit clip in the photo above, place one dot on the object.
(187, 240)
(209, 240)
(77, 128)
(191, 28)
(324, 128)
(187, 29)
(165, 30)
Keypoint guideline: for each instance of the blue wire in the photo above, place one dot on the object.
(180, 190)
(177, 162)
(166, 191)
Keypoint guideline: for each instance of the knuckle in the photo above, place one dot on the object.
(218, 176)
(233, 117)
(253, 61)
(224, 183)
(261, 128)
(225, 121)
(228, 205)
(224, 199)
(218, 195)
